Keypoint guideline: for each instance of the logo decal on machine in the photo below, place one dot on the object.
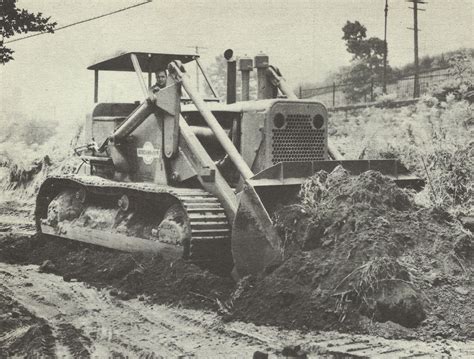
(148, 153)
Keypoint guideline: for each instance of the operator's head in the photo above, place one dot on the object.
(161, 77)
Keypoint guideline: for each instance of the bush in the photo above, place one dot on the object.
(432, 138)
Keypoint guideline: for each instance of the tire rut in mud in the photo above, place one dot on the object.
(75, 340)
(22, 333)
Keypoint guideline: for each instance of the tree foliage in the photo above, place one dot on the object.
(19, 128)
(217, 72)
(19, 21)
(366, 70)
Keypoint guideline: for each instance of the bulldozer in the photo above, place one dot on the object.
(192, 177)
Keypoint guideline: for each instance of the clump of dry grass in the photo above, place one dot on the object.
(364, 282)
(367, 278)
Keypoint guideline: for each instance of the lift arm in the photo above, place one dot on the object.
(178, 70)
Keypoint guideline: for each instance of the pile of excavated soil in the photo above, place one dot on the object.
(128, 275)
(360, 256)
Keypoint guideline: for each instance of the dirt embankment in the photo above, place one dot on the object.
(359, 257)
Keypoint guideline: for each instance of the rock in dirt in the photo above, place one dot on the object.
(47, 267)
(294, 351)
(467, 222)
(462, 290)
(260, 355)
(401, 304)
(436, 279)
(68, 277)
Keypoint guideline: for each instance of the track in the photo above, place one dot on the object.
(209, 227)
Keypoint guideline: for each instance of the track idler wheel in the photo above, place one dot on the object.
(66, 206)
(174, 228)
(124, 203)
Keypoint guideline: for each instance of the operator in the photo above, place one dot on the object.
(161, 78)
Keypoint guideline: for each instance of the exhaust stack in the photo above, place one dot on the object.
(245, 66)
(266, 89)
(231, 76)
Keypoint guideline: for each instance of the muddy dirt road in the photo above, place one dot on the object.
(131, 328)
(93, 323)
(73, 319)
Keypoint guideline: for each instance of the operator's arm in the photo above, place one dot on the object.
(155, 88)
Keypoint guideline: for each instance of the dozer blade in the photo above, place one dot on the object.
(294, 173)
(256, 244)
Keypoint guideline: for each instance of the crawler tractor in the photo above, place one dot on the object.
(194, 178)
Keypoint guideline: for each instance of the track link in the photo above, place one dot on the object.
(210, 230)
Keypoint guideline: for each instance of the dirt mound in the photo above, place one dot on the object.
(129, 275)
(355, 248)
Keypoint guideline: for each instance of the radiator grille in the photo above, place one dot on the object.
(298, 140)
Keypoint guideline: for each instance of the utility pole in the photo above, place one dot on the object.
(416, 84)
(385, 50)
(197, 70)
(196, 48)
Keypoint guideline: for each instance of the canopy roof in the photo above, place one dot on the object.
(149, 61)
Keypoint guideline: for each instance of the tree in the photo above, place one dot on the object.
(19, 21)
(217, 73)
(366, 70)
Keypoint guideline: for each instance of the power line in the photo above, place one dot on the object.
(416, 87)
(81, 22)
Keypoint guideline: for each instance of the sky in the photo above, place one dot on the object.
(48, 78)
